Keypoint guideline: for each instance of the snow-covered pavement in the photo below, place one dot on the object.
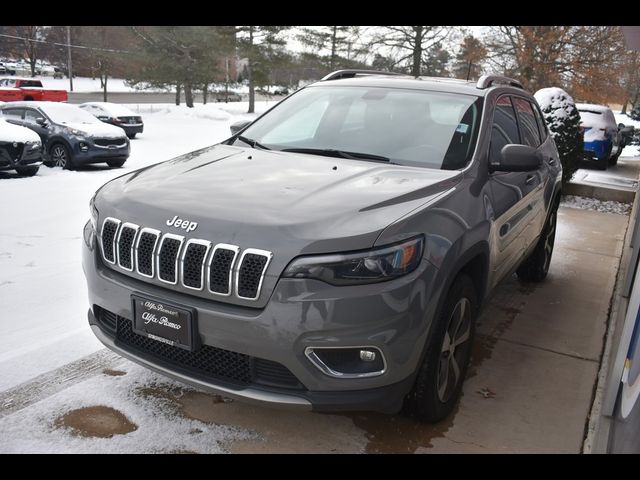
(43, 298)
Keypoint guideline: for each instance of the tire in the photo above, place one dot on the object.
(116, 163)
(27, 171)
(60, 156)
(614, 160)
(536, 266)
(437, 388)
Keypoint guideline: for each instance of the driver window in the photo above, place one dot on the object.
(505, 128)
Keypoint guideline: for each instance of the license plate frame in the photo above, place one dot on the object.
(166, 322)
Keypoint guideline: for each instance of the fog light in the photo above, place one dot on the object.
(367, 355)
(347, 362)
(83, 147)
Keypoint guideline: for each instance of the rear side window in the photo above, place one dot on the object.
(528, 125)
(13, 112)
(542, 128)
(505, 128)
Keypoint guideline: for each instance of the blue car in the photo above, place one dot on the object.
(601, 136)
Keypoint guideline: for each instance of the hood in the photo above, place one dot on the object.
(15, 133)
(286, 203)
(101, 130)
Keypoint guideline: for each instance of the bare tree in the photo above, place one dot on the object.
(29, 37)
(340, 41)
(408, 44)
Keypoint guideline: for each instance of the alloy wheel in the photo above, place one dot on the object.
(455, 350)
(59, 156)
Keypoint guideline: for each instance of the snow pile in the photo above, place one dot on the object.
(586, 203)
(141, 395)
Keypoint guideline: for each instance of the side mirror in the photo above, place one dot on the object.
(239, 125)
(41, 121)
(518, 158)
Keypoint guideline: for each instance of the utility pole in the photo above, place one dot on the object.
(69, 58)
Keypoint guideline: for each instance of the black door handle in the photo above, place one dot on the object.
(530, 179)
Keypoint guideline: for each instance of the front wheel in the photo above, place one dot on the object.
(438, 385)
(27, 171)
(60, 156)
(536, 266)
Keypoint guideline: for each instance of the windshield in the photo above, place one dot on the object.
(410, 127)
(65, 114)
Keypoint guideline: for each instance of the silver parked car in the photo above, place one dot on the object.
(334, 253)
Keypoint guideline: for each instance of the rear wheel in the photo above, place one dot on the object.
(536, 266)
(116, 163)
(27, 171)
(439, 382)
(60, 156)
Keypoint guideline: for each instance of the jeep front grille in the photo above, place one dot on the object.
(126, 237)
(109, 230)
(193, 264)
(168, 257)
(251, 272)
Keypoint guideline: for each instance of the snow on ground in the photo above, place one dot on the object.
(629, 150)
(140, 395)
(114, 85)
(43, 296)
(587, 203)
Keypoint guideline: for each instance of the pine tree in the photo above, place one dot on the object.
(468, 63)
(563, 119)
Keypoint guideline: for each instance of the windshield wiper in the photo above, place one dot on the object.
(329, 152)
(252, 143)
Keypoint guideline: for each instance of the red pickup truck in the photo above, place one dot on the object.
(29, 89)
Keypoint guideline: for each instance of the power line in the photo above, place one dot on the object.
(65, 45)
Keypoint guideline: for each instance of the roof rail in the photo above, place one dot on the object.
(486, 81)
(338, 74)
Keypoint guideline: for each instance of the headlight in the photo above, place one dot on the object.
(372, 266)
(93, 211)
(77, 133)
(32, 145)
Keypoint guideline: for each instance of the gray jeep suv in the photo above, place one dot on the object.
(334, 253)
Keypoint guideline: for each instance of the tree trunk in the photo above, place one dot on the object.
(624, 107)
(417, 52)
(332, 60)
(205, 93)
(104, 87)
(177, 94)
(188, 95)
(32, 64)
(252, 91)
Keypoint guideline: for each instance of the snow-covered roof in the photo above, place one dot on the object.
(16, 133)
(591, 107)
(114, 109)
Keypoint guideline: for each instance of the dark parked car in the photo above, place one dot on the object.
(20, 149)
(70, 136)
(117, 115)
(334, 253)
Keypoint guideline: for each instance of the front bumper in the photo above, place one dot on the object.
(132, 129)
(25, 157)
(97, 154)
(394, 317)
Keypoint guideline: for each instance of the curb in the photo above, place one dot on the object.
(617, 310)
(600, 192)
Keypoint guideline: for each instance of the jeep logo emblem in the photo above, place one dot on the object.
(183, 224)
